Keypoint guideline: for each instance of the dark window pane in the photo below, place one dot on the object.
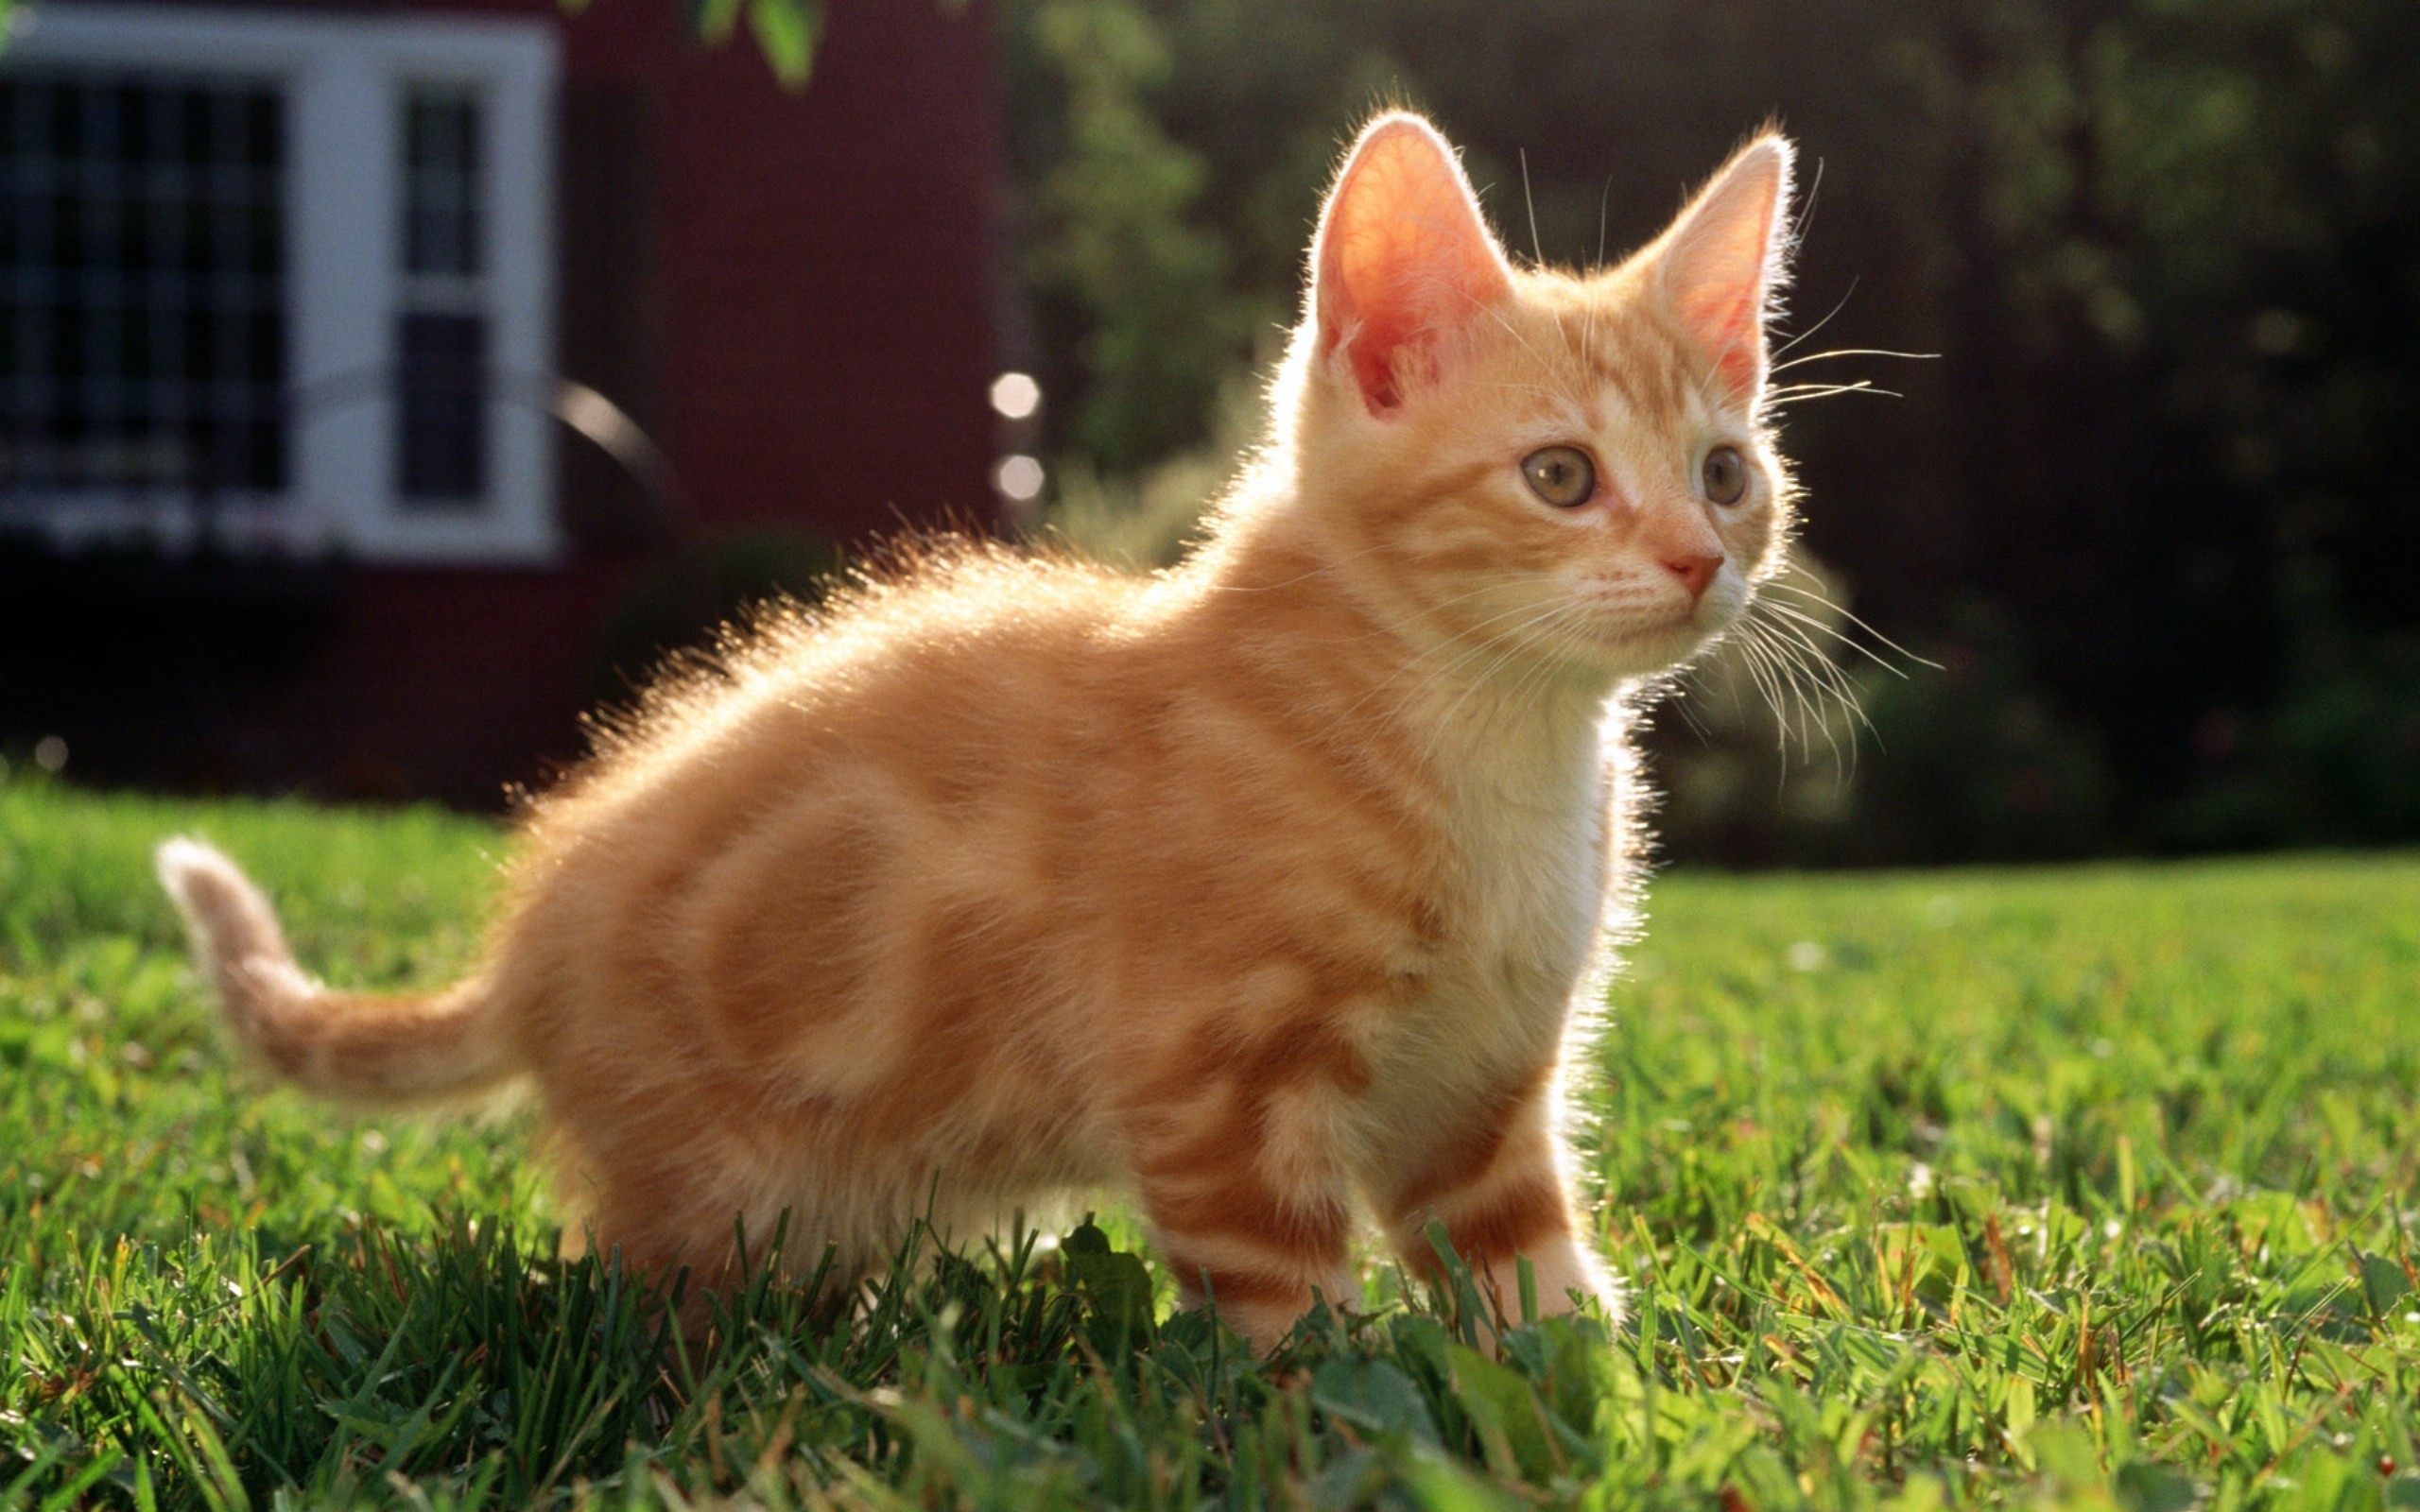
(193, 236)
(265, 347)
(27, 355)
(441, 184)
(193, 129)
(194, 439)
(33, 116)
(69, 247)
(264, 131)
(113, 124)
(442, 410)
(264, 248)
(227, 236)
(133, 252)
(138, 345)
(200, 343)
(66, 359)
(66, 124)
(264, 459)
(134, 110)
(200, 241)
(234, 357)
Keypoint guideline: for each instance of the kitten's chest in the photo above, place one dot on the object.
(1525, 899)
(1531, 895)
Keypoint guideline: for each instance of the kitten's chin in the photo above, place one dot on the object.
(1638, 651)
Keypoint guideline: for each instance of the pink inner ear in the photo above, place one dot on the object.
(1404, 256)
(1729, 325)
(1723, 259)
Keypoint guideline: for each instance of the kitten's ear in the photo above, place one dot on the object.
(1724, 258)
(1403, 258)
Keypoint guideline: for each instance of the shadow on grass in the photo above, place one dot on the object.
(473, 1369)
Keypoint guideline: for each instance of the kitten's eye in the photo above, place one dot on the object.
(1724, 478)
(1562, 475)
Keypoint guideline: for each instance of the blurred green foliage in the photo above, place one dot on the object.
(1136, 287)
(785, 31)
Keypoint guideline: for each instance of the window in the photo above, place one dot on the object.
(278, 278)
(141, 322)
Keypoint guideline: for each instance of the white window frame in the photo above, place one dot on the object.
(343, 77)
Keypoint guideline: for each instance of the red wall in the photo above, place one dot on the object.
(820, 350)
(825, 259)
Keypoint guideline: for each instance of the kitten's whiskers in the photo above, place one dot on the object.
(1819, 598)
(1835, 309)
(1787, 394)
(1853, 352)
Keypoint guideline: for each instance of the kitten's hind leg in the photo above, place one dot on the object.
(697, 1234)
(671, 1262)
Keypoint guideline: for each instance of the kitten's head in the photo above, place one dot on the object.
(1555, 466)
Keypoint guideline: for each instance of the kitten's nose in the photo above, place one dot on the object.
(1695, 569)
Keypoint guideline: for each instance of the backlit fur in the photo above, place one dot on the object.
(1266, 889)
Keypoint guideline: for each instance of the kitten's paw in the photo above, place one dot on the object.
(1264, 1314)
(1565, 1279)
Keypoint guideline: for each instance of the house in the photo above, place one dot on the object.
(358, 365)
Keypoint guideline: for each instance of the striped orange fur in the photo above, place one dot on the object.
(1267, 889)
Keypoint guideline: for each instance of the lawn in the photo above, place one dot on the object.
(2084, 1187)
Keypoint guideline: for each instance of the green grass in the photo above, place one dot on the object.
(2086, 1187)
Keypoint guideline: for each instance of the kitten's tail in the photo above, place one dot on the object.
(359, 1047)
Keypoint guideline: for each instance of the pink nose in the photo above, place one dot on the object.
(1695, 569)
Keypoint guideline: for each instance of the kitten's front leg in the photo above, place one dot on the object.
(1500, 1189)
(1247, 1202)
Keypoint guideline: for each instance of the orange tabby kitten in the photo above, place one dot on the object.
(1266, 888)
